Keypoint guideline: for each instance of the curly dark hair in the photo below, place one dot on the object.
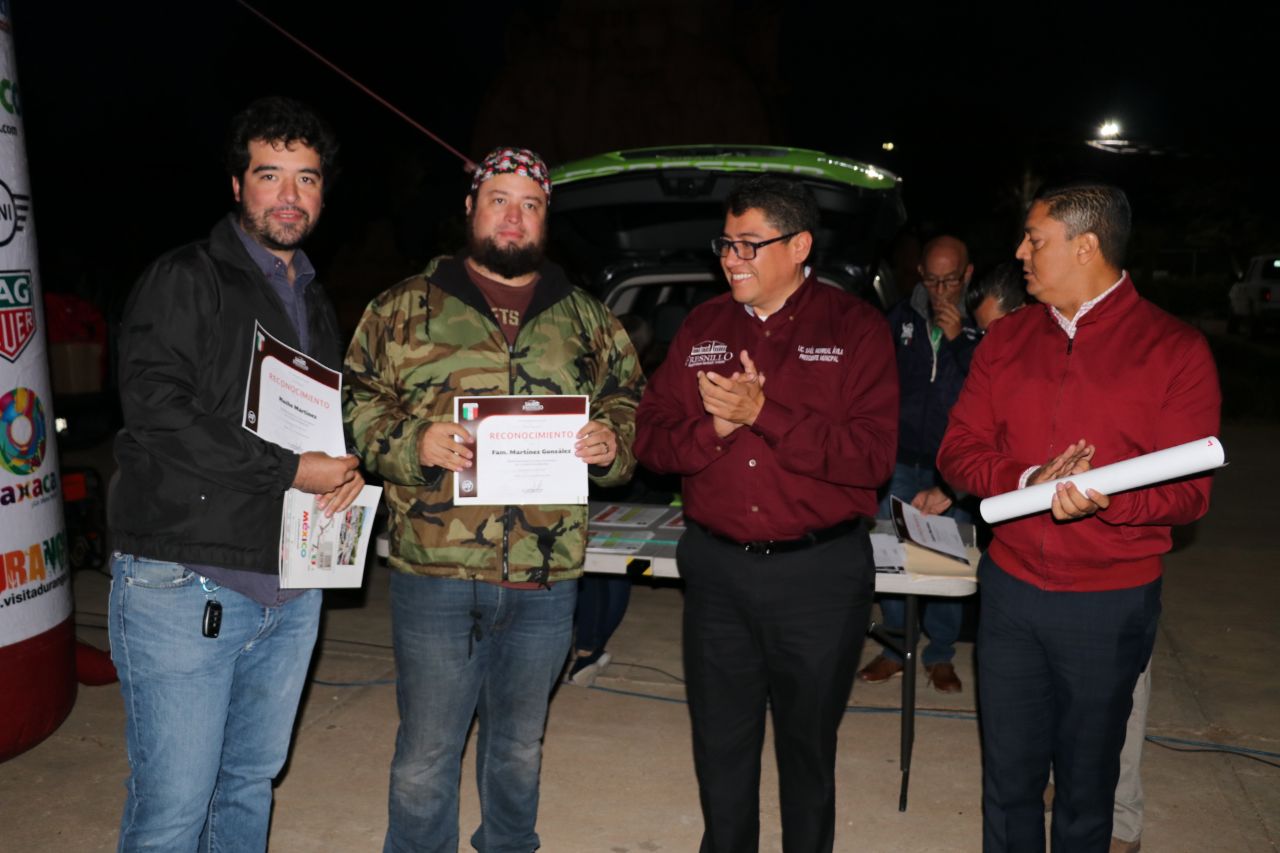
(279, 119)
(787, 204)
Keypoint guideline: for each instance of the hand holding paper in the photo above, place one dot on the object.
(597, 444)
(339, 499)
(319, 473)
(444, 445)
(931, 501)
(1194, 457)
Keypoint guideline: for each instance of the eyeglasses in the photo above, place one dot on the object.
(744, 249)
(951, 282)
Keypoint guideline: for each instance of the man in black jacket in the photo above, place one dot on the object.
(211, 652)
(934, 340)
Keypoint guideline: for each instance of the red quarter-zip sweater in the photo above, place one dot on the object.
(825, 439)
(1134, 380)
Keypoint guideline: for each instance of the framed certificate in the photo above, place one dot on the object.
(523, 450)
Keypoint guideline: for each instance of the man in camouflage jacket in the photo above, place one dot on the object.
(482, 596)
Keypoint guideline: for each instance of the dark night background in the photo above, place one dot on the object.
(125, 106)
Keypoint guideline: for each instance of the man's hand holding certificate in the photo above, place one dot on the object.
(293, 400)
(521, 450)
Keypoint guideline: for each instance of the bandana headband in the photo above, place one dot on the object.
(517, 161)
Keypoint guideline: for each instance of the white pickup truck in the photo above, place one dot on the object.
(1255, 299)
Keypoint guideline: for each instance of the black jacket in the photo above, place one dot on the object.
(929, 384)
(193, 485)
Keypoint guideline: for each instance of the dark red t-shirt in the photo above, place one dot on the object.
(507, 303)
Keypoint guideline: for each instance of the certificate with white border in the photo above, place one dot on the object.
(292, 400)
(524, 450)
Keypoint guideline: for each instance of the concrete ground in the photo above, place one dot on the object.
(618, 776)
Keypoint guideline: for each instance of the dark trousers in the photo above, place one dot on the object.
(1056, 672)
(602, 602)
(782, 628)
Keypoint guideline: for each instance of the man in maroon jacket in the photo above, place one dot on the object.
(778, 406)
(1071, 597)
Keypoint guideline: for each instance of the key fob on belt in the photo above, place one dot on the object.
(212, 622)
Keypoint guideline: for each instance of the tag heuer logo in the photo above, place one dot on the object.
(13, 213)
(17, 315)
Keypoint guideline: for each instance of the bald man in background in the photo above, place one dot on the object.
(934, 338)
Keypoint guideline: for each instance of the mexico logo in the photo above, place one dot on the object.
(22, 431)
(13, 213)
(17, 314)
(708, 352)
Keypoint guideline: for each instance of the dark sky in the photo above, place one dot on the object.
(125, 106)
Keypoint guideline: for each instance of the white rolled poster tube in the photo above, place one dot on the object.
(1194, 457)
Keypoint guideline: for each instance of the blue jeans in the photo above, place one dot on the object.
(207, 721)
(466, 648)
(941, 617)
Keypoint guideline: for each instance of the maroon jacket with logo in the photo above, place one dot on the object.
(1134, 380)
(826, 438)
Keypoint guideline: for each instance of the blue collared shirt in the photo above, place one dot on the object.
(294, 296)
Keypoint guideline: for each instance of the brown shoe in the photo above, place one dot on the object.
(1118, 846)
(944, 678)
(880, 669)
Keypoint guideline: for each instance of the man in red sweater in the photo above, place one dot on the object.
(1071, 597)
(778, 406)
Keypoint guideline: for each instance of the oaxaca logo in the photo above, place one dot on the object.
(38, 490)
(13, 213)
(23, 434)
(17, 314)
(708, 352)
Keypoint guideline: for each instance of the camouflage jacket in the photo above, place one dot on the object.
(432, 337)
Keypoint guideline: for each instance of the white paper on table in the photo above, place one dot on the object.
(318, 552)
(524, 450)
(292, 400)
(935, 532)
(1194, 457)
(887, 551)
(629, 516)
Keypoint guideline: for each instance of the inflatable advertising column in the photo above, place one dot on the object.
(37, 637)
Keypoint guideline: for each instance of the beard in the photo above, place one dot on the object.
(272, 234)
(505, 261)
